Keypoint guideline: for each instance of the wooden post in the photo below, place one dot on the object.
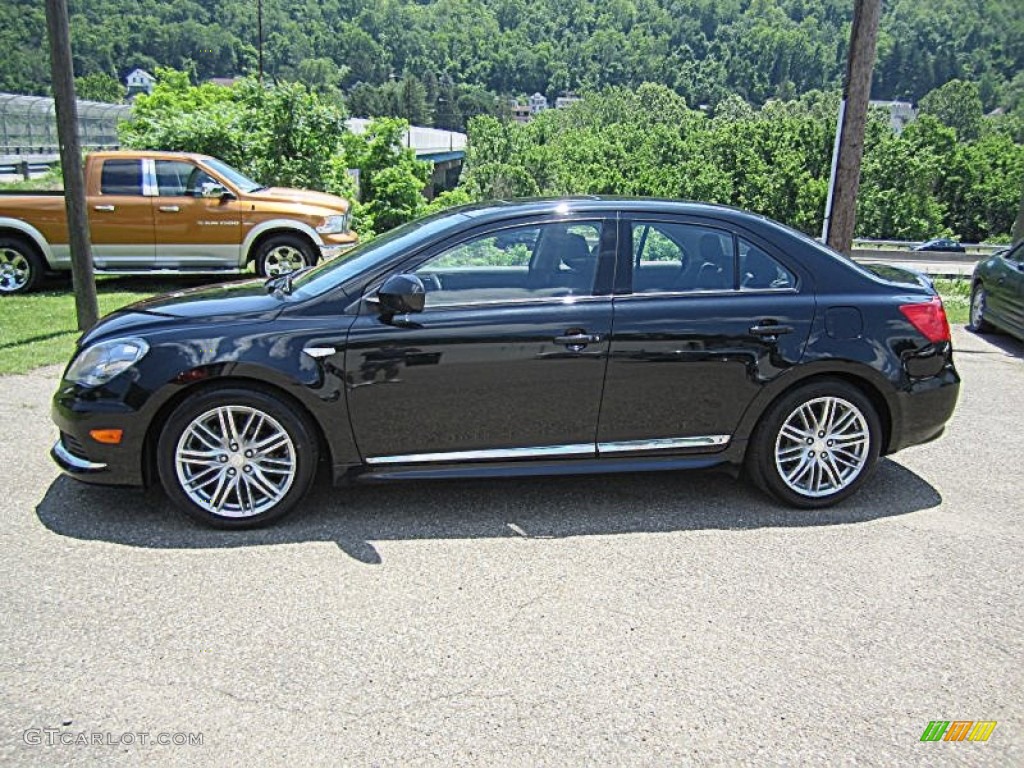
(82, 278)
(856, 93)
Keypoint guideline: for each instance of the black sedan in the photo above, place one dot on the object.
(585, 335)
(997, 292)
(943, 244)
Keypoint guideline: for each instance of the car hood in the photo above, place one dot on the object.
(210, 303)
(303, 196)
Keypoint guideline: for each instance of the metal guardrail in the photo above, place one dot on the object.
(907, 245)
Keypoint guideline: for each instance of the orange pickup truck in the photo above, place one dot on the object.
(171, 213)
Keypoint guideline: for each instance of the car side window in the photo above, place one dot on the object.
(759, 271)
(672, 258)
(177, 178)
(1015, 254)
(121, 177)
(514, 264)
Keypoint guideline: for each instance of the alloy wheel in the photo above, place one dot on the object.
(15, 270)
(235, 461)
(284, 259)
(822, 446)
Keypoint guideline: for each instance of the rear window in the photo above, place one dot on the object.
(121, 177)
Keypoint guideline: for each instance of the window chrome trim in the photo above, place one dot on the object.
(149, 187)
(540, 451)
(565, 300)
(710, 292)
(660, 444)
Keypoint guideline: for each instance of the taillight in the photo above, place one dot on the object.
(929, 317)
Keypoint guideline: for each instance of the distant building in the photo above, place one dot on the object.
(521, 113)
(901, 113)
(566, 100)
(227, 82)
(139, 81)
(538, 103)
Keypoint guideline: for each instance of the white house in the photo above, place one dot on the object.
(139, 81)
(901, 113)
(538, 103)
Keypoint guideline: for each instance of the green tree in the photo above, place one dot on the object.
(99, 87)
(958, 105)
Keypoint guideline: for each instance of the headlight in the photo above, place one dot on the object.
(101, 362)
(334, 224)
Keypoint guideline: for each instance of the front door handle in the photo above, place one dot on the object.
(577, 340)
(169, 208)
(106, 208)
(770, 329)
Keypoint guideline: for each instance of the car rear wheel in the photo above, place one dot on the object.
(236, 458)
(282, 254)
(979, 301)
(816, 445)
(21, 268)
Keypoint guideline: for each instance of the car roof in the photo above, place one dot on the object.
(584, 203)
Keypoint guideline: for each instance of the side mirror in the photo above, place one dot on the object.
(401, 294)
(216, 191)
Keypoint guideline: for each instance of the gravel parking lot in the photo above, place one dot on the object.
(666, 619)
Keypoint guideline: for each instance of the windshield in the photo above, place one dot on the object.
(363, 257)
(237, 178)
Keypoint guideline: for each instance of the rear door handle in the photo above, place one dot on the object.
(103, 208)
(770, 329)
(169, 208)
(577, 341)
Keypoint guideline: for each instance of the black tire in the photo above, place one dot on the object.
(979, 300)
(839, 453)
(21, 266)
(276, 253)
(241, 505)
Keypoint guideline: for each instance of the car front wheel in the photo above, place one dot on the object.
(817, 445)
(282, 254)
(236, 458)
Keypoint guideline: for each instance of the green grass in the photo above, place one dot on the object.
(956, 297)
(40, 328)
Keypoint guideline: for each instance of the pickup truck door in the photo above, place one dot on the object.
(121, 217)
(192, 231)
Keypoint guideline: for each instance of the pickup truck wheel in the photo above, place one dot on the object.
(21, 268)
(283, 254)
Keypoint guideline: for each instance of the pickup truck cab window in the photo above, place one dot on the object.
(121, 177)
(177, 178)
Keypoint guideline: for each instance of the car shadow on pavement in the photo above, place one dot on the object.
(1011, 346)
(355, 516)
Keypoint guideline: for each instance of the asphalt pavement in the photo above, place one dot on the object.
(662, 619)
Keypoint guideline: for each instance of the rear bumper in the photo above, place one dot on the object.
(924, 409)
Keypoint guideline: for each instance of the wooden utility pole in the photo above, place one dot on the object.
(841, 212)
(82, 278)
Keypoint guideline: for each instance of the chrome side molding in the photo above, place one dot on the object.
(583, 450)
(536, 452)
(660, 444)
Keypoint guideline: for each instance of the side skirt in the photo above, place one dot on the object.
(535, 468)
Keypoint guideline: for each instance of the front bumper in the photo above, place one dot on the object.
(335, 245)
(83, 458)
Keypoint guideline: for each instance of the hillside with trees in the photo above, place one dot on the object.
(444, 61)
